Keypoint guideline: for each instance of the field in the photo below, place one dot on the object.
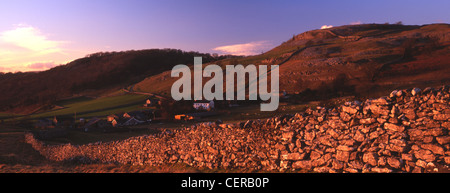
(6, 115)
(85, 107)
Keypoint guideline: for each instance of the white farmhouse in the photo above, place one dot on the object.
(204, 105)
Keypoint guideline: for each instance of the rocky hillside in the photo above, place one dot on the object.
(357, 60)
(407, 131)
(366, 58)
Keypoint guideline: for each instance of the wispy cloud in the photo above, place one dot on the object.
(356, 23)
(251, 48)
(326, 26)
(42, 65)
(30, 38)
(24, 47)
(4, 69)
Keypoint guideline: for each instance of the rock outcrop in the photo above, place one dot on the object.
(405, 132)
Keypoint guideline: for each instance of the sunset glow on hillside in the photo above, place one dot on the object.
(36, 40)
(224, 95)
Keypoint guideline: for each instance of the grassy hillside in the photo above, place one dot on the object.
(85, 107)
(6, 115)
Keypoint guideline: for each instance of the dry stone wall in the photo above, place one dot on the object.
(405, 132)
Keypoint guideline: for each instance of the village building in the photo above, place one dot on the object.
(116, 120)
(150, 102)
(110, 118)
(203, 105)
(128, 119)
(114, 123)
(136, 114)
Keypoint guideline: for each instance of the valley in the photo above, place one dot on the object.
(322, 73)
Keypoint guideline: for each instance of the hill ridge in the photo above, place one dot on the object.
(357, 66)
